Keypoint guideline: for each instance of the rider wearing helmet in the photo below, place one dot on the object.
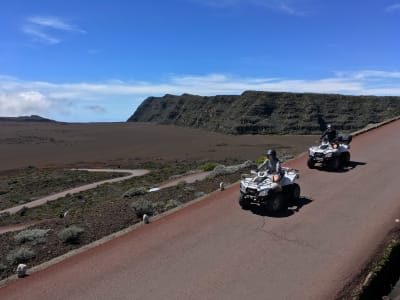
(330, 133)
(272, 163)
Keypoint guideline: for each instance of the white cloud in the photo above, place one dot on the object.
(38, 35)
(55, 23)
(90, 101)
(393, 7)
(23, 103)
(284, 6)
(47, 29)
(367, 74)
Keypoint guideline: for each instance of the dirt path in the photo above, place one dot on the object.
(212, 249)
(41, 201)
(189, 178)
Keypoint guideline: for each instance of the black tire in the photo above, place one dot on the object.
(295, 192)
(244, 202)
(311, 163)
(336, 163)
(346, 158)
(276, 203)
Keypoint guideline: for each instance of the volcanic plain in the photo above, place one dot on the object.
(36, 160)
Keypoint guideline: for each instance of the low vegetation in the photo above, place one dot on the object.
(96, 213)
(20, 255)
(384, 273)
(31, 183)
(70, 235)
(208, 166)
(143, 206)
(36, 235)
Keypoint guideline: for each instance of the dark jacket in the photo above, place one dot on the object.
(331, 135)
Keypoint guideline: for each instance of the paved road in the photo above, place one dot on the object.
(215, 250)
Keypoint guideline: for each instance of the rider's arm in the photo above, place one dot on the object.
(262, 165)
(278, 166)
(323, 134)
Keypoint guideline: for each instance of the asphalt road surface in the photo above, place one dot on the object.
(215, 250)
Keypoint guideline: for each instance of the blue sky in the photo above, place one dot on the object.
(85, 61)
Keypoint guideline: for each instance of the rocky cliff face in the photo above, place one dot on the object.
(268, 112)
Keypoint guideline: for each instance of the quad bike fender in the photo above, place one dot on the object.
(276, 187)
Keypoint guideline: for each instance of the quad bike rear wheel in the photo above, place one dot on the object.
(277, 203)
(346, 158)
(336, 163)
(295, 192)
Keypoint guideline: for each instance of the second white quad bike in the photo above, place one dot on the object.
(270, 190)
(333, 155)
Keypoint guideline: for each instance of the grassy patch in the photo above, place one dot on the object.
(384, 273)
(70, 235)
(32, 183)
(208, 166)
(20, 255)
(35, 235)
(143, 206)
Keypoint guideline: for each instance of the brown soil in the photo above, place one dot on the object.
(126, 145)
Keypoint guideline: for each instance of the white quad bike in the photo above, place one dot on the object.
(270, 190)
(332, 155)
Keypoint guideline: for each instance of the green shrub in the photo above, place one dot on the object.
(181, 184)
(172, 204)
(21, 255)
(70, 234)
(208, 166)
(221, 170)
(135, 192)
(30, 235)
(261, 160)
(143, 206)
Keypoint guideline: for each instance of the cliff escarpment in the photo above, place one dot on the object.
(256, 112)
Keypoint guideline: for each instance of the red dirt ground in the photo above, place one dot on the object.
(126, 144)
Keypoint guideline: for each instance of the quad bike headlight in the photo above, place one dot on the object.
(263, 192)
(329, 154)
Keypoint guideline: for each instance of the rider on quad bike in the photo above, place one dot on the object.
(272, 164)
(333, 151)
(330, 133)
(272, 186)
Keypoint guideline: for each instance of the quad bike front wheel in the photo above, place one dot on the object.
(244, 202)
(311, 163)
